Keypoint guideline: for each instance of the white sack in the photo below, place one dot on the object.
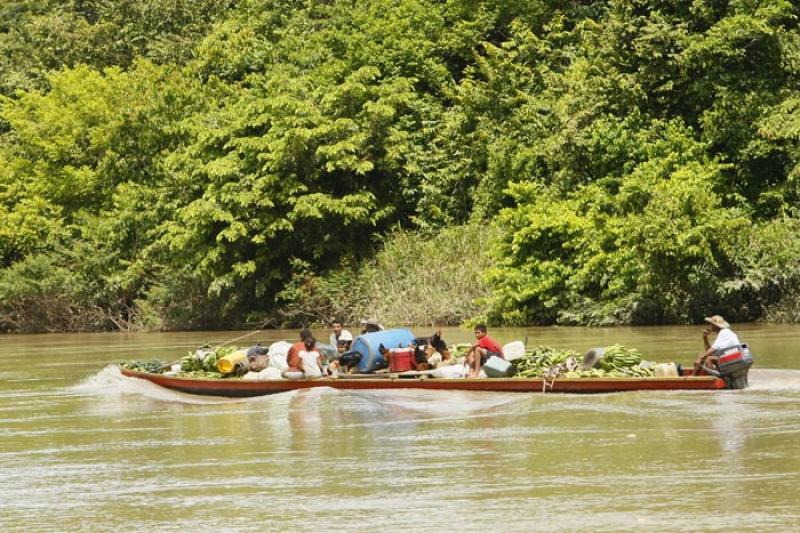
(277, 355)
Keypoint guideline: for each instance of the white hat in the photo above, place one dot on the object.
(718, 321)
(345, 336)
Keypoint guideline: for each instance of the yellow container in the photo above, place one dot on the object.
(228, 363)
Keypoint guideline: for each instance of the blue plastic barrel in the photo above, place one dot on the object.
(367, 345)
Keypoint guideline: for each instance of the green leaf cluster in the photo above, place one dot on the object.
(205, 164)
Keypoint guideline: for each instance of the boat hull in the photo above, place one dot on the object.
(237, 388)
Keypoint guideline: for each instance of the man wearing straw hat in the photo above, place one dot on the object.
(371, 325)
(725, 339)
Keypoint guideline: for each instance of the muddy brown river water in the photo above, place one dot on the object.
(83, 448)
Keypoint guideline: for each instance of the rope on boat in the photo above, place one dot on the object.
(239, 338)
(556, 370)
(260, 329)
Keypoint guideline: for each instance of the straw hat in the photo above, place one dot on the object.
(718, 321)
(372, 322)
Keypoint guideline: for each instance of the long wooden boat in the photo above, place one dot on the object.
(244, 388)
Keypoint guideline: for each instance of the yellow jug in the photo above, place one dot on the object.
(228, 363)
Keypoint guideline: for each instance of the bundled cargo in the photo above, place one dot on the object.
(540, 361)
(622, 361)
(613, 361)
(203, 362)
(152, 366)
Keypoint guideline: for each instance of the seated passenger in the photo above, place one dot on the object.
(345, 342)
(310, 359)
(338, 333)
(257, 358)
(371, 325)
(293, 356)
(481, 351)
(343, 345)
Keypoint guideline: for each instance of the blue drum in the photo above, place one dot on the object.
(367, 346)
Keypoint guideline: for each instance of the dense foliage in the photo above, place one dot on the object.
(184, 164)
(413, 280)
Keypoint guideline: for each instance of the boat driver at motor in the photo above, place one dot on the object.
(725, 339)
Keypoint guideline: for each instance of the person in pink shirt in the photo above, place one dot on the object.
(482, 350)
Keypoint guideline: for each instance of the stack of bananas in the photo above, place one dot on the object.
(541, 361)
(203, 362)
(621, 361)
(618, 361)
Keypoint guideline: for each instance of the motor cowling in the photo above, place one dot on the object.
(734, 364)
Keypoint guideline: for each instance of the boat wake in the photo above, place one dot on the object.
(438, 403)
(774, 380)
(110, 382)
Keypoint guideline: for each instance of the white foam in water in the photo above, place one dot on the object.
(110, 382)
(774, 380)
(440, 403)
(108, 379)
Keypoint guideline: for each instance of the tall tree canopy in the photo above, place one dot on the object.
(173, 164)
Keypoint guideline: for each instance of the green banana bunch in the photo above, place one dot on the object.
(618, 362)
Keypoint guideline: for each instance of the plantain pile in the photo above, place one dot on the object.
(460, 349)
(154, 366)
(203, 362)
(547, 362)
(622, 361)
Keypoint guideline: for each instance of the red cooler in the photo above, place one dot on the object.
(402, 360)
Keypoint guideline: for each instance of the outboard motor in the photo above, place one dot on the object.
(733, 365)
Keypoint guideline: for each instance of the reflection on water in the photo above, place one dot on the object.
(84, 448)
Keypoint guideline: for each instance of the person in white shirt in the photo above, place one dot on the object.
(725, 339)
(311, 359)
(338, 333)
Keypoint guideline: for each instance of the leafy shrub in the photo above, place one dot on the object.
(414, 279)
(654, 246)
(37, 294)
